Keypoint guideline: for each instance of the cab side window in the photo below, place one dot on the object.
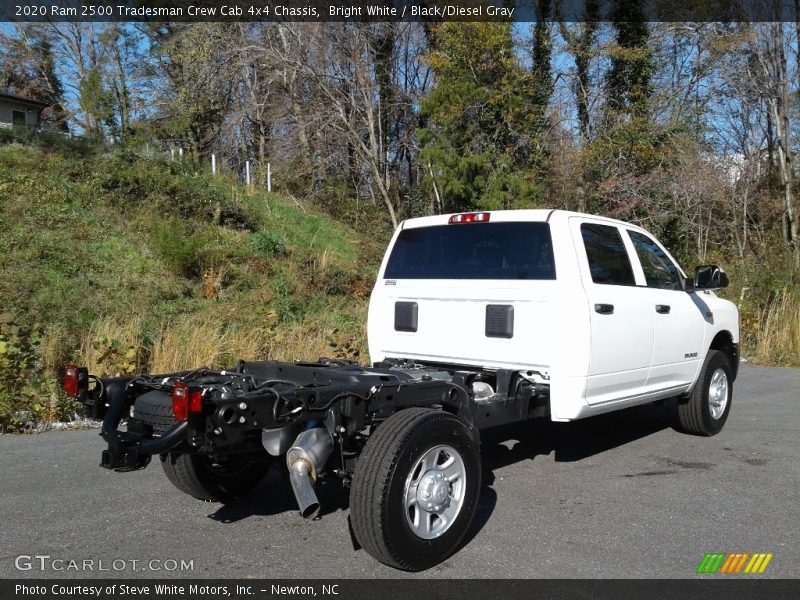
(659, 271)
(608, 259)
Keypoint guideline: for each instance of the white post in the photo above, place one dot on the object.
(180, 153)
(269, 177)
(247, 172)
(213, 164)
(172, 153)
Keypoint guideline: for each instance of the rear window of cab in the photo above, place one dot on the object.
(504, 250)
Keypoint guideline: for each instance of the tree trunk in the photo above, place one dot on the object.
(780, 108)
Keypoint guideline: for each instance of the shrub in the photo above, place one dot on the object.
(112, 347)
(177, 189)
(19, 351)
(268, 244)
(48, 140)
(178, 246)
(27, 393)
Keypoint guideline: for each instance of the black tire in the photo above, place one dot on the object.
(199, 477)
(155, 409)
(377, 508)
(694, 410)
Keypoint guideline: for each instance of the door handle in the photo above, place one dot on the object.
(662, 309)
(604, 309)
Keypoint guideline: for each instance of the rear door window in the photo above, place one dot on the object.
(608, 259)
(473, 251)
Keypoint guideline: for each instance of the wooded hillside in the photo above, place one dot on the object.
(688, 129)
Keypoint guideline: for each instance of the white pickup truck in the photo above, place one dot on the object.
(476, 320)
(596, 309)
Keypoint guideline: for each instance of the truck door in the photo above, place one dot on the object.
(679, 319)
(621, 328)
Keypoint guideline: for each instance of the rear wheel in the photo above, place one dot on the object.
(415, 489)
(705, 410)
(204, 479)
(200, 476)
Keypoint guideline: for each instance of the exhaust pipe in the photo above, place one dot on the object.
(305, 458)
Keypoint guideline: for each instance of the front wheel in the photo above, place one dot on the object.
(415, 488)
(705, 410)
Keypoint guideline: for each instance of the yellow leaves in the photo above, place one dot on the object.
(113, 347)
(115, 358)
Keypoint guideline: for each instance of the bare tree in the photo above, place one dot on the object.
(769, 71)
(348, 83)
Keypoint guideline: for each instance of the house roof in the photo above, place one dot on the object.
(6, 96)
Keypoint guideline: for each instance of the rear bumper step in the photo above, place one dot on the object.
(130, 451)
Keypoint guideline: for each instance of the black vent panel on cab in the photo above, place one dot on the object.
(405, 316)
(499, 320)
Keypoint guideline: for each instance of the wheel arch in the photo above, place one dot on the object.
(723, 342)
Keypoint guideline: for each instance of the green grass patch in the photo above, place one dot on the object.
(116, 249)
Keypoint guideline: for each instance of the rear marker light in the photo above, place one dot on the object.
(71, 381)
(186, 401)
(481, 217)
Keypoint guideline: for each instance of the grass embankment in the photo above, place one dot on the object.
(128, 262)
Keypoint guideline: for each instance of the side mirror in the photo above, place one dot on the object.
(710, 277)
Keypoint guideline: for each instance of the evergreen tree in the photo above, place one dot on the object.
(540, 80)
(632, 62)
(476, 144)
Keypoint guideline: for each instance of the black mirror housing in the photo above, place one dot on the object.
(710, 277)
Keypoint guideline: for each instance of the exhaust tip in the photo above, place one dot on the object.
(307, 455)
(311, 511)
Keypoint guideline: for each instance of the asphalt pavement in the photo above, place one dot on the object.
(618, 496)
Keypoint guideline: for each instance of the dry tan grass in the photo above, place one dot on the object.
(778, 339)
(305, 341)
(201, 341)
(55, 349)
(94, 345)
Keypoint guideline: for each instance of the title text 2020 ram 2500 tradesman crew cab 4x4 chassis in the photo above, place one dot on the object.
(476, 320)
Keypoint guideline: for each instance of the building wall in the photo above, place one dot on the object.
(6, 113)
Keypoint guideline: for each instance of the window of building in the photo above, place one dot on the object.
(18, 117)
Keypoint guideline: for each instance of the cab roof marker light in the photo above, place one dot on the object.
(481, 217)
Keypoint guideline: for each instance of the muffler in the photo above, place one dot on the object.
(305, 459)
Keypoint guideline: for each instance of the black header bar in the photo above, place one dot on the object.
(710, 587)
(730, 11)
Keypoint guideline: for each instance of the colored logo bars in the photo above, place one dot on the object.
(735, 562)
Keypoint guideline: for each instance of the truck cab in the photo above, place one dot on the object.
(594, 308)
